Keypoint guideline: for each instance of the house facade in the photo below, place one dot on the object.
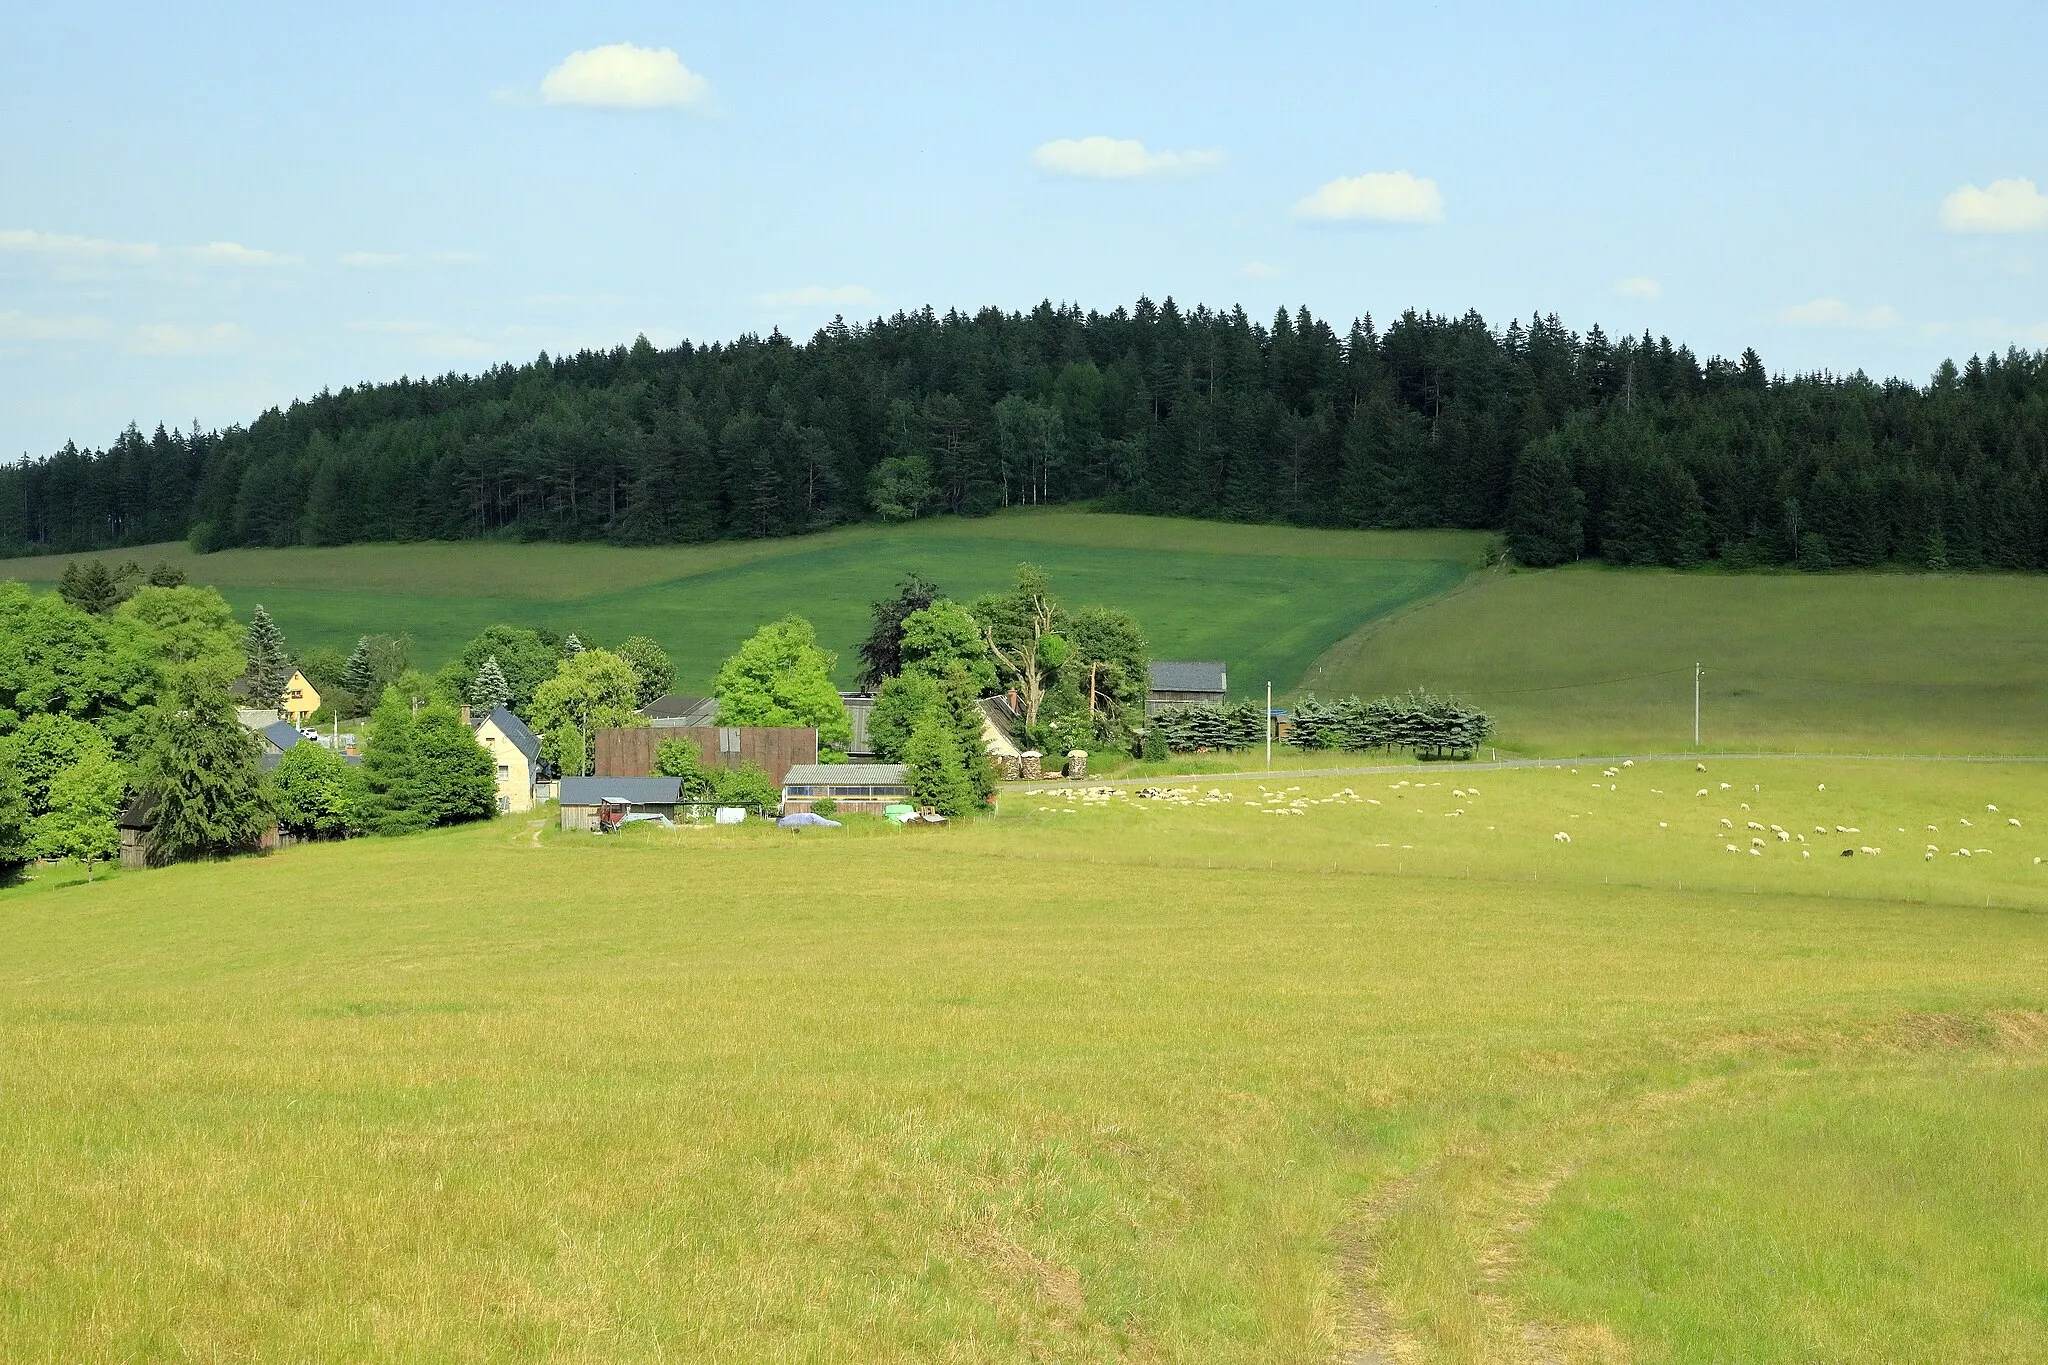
(515, 750)
(300, 699)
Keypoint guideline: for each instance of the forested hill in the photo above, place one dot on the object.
(1633, 449)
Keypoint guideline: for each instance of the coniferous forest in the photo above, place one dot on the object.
(1574, 445)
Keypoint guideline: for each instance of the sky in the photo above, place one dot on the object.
(208, 210)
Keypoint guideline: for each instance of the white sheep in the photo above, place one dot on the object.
(1727, 823)
(2013, 821)
(1754, 825)
(1992, 809)
(1562, 837)
(1701, 792)
(1756, 853)
(1733, 849)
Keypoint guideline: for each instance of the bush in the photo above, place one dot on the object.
(825, 805)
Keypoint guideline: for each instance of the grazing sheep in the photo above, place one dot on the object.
(1783, 837)
(1726, 785)
(1756, 853)
(1733, 849)
(1756, 843)
(1754, 825)
(1727, 823)
(1871, 852)
(2013, 821)
(1964, 820)
(1701, 792)
(1848, 853)
(1823, 786)
(1663, 824)
(1628, 763)
(1699, 767)
(1992, 809)
(1562, 837)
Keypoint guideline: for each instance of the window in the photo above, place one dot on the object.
(504, 772)
(504, 805)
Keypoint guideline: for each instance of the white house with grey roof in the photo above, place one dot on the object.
(515, 750)
(1187, 683)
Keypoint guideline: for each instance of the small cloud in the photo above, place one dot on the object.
(235, 254)
(16, 326)
(1376, 197)
(370, 260)
(1639, 287)
(623, 76)
(1258, 270)
(1835, 313)
(165, 338)
(2003, 206)
(65, 246)
(1108, 158)
(814, 296)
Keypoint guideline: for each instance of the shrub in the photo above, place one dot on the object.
(825, 805)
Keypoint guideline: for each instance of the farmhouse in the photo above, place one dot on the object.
(277, 737)
(1182, 684)
(649, 795)
(516, 751)
(629, 751)
(853, 786)
(300, 699)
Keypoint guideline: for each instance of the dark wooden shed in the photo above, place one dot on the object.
(775, 749)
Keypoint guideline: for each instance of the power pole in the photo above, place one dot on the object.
(1695, 706)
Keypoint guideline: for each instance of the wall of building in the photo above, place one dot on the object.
(774, 749)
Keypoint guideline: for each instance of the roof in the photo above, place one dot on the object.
(845, 775)
(516, 732)
(641, 791)
(682, 710)
(282, 735)
(1200, 675)
(139, 813)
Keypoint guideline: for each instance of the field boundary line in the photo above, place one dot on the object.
(1504, 765)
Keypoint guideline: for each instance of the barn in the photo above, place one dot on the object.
(863, 787)
(629, 751)
(1186, 683)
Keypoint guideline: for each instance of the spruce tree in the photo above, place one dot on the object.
(200, 767)
(1546, 513)
(572, 646)
(935, 770)
(490, 690)
(270, 667)
(359, 674)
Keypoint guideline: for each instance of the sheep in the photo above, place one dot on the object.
(1963, 820)
(1992, 809)
(1726, 785)
(1823, 786)
(1756, 843)
(1701, 792)
(1562, 837)
(1733, 849)
(1628, 763)
(1845, 829)
(1783, 837)
(2013, 821)
(1663, 824)
(1727, 823)
(1754, 825)
(1756, 853)
(1699, 767)
(1872, 852)
(1745, 805)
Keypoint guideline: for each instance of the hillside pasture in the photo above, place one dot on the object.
(1588, 659)
(1266, 599)
(1280, 1069)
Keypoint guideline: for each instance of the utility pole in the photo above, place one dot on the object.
(1695, 706)
(1269, 727)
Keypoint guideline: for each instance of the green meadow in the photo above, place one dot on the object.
(1367, 1068)
(1590, 659)
(1201, 590)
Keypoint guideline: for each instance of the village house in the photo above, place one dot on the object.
(515, 750)
(581, 796)
(300, 700)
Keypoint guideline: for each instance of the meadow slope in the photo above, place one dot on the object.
(1267, 599)
(1332, 1067)
(1599, 660)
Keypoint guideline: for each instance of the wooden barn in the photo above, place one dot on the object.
(775, 749)
(1186, 683)
(866, 787)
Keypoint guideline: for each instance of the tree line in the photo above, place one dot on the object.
(1630, 449)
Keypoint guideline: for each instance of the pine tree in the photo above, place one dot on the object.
(935, 771)
(270, 667)
(572, 646)
(1546, 513)
(490, 690)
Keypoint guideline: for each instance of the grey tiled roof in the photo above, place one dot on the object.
(515, 730)
(845, 775)
(1202, 675)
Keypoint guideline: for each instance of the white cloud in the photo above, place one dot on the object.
(169, 338)
(234, 253)
(1835, 313)
(1639, 287)
(623, 76)
(67, 247)
(1258, 270)
(815, 296)
(2003, 206)
(1376, 197)
(16, 326)
(1108, 158)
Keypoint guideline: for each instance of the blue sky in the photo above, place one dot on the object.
(207, 210)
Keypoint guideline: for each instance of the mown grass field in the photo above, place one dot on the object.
(1591, 659)
(1267, 599)
(1102, 1078)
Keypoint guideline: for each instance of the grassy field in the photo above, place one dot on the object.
(1267, 599)
(1597, 660)
(1298, 1075)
